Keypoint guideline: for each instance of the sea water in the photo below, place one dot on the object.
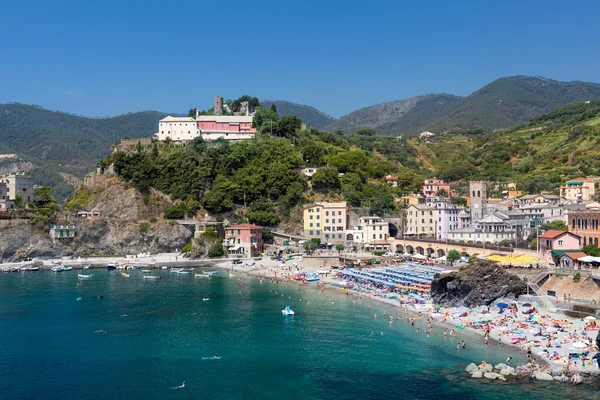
(163, 333)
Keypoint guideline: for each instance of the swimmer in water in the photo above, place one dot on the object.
(179, 387)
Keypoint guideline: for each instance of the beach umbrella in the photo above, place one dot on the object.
(579, 345)
(437, 306)
(502, 305)
(558, 322)
(590, 318)
(527, 305)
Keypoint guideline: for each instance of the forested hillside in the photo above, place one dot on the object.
(310, 116)
(59, 142)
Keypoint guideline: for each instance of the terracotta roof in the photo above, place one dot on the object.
(553, 234)
(576, 255)
(244, 226)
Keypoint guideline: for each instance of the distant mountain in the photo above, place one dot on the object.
(501, 104)
(57, 142)
(309, 115)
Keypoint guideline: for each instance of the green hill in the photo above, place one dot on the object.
(309, 115)
(59, 142)
(501, 104)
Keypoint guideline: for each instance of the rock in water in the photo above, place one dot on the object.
(542, 376)
(477, 375)
(471, 368)
(480, 283)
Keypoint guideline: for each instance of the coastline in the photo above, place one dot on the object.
(495, 339)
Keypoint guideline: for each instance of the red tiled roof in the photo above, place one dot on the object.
(244, 226)
(576, 255)
(554, 233)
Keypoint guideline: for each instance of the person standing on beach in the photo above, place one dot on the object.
(529, 352)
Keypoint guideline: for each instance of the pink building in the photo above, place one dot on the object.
(244, 240)
(431, 187)
(222, 124)
(555, 243)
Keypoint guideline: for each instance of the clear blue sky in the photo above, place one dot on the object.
(103, 58)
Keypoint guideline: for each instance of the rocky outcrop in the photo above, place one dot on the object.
(478, 284)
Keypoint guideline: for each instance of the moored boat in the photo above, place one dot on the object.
(152, 277)
(201, 275)
(68, 268)
(176, 270)
(83, 276)
(126, 275)
(33, 269)
(210, 273)
(111, 266)
(185, 271)
(145, 271)
(287, 311)
(57, 268)
(312, 277)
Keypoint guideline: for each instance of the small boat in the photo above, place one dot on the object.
(232, 275)
(23, 269)
(58, 268)
(185, 271)
(201, 275)
(68, 268)
(206, 299)
(152, 277)
(210, 273)
(33, 269)
(287, 311)
(164, 267)
(125, 274)
(121, 266)
(312, 277)
(145, 271)
(137, 267)
(82, 276)
(176, 270)
(111, 266)
(86, 267)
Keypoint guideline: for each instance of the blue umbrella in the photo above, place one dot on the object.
(502, 305)
(527, 305)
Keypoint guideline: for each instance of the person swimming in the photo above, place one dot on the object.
(179, 387)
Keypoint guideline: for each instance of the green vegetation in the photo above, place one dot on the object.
(216, 251)
(144, 228)
(452, 256)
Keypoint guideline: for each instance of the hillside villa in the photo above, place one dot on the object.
(555, 243)
(243, 240)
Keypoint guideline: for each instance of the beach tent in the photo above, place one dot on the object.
(589, 259)
(419, 256)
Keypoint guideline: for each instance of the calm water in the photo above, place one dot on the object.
(49, 349)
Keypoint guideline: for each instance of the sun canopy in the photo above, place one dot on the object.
(513, 259)
(589, 259)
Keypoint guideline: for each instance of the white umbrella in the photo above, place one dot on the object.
(579, 345)
(590, 318)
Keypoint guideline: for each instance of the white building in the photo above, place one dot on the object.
(369, 231)
(421, 220)
(19, 184)
(209, 127)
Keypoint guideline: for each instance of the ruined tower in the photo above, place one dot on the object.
(218, 110)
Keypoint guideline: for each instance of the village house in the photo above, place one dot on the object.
(554, 243)
(243, 240)
(432, 188)
(420, 221)
(584, 223)
(19, 184)
(411, 200)
(578, 190)
(325, 221)
(447, 215)
(62, 233)
(371, 231)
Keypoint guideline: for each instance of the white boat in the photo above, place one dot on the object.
(121, 267)
(176, 270)
(210, 273)
(164, 267)
(125, 274)
(82, 276)
(58, 268)
(152, 277)
(111, 266)
(86, 267)
(33, 269)
(23, 269)
(68, 268)
(145, 271)
(312, 277)
(287, 311)
(201, 275)
(185, 271)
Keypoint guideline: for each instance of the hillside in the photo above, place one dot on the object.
(309, 115)
(501, 104)
(538, 155)
(59, 142)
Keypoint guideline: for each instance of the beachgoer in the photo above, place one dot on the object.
(508, 360)
(464, 345)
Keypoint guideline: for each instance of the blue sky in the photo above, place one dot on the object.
(112, 57)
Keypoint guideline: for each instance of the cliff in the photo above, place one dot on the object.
(477, 284)
(127, 222)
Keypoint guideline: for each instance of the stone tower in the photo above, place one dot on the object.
(478, 194)
(218, 110)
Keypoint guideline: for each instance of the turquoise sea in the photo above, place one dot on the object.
(161, 334)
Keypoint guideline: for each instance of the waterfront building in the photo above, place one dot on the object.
(554, 243)
(421, 221)
(432, 187)
(447, 215)
(326, 221)
(412, 199)
(371, 231)
(243, 240)
(579, 190)
(62, 233)
(584, 223)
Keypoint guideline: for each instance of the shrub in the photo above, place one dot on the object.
(216, 251)
(153, 220)
(144, 227)
(577, 277)
(175, 212)
(187, 248)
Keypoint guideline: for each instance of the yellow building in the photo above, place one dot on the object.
(411, 200)
(326, 221)
(420, 220)
(580, 190)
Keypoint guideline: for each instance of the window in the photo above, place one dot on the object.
(326, 212)
(318, 217)
(327, 220)
(339, 213)
(311, 225)
(327, 236)
(311, 217)
(318, 225)
(311, 233)
(318, 233)
(239, 231)
(339, 221)
(339, 235)
(373, 236)
(560, 242)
